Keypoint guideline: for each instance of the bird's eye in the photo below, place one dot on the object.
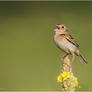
(62, 26)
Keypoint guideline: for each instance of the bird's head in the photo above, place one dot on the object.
(60, 28)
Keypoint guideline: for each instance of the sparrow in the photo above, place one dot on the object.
(67, 43)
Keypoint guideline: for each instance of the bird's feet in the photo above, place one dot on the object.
(63, 57)
(69, 65)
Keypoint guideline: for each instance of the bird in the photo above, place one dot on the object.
(65, 42)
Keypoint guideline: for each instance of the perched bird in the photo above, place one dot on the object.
(67, 43)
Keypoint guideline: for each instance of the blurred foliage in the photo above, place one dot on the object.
(29, 59)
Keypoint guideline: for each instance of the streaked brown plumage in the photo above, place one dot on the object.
(67, 43)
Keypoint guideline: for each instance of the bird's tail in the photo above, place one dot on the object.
(82, 59)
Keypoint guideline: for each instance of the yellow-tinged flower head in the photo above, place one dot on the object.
(76, 82)
(67, 76)
(63, 76)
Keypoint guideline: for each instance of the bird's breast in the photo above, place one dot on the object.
(63, 44)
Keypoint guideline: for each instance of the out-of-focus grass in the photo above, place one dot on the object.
(29, 60)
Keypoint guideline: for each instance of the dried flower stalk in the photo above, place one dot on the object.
(67, 80)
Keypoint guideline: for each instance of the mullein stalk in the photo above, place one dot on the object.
(67, 79)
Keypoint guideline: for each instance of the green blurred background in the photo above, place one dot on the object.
(29, 59)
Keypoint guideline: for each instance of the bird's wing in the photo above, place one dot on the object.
(71, 39)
